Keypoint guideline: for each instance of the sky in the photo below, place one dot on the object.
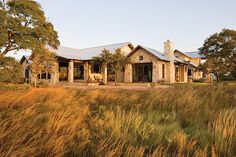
(187, 23)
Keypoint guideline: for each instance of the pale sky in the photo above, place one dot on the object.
(187, 23)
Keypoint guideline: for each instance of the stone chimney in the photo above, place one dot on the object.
(169, 49)
(169, 52)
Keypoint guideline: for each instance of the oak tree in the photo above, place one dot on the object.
(10, 70)
(220, 52)
(113, 61)
(24, 26)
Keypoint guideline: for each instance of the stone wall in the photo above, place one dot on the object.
(71, 72)
(55, 74)
(196, 61)
(147, 58)
(128, 73)
(169, 51)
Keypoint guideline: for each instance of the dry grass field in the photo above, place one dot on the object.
(189, 121)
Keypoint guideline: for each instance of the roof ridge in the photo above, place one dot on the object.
(69, 47)
(153, 49)
(95, 46)
(106, 45)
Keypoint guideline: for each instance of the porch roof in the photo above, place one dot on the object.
(195, 54)
(159, 54)
(88, 53)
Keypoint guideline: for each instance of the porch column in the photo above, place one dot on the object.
(104, 77)
(172, 72)
(185, 73)
(71, 72)
(128, 73)
(55, 74)
(155, 72)
(87, 71)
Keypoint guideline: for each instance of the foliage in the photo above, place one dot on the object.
(178, 121)
(233, 72)
(10, 70)
(24, 26)
(119, 60)
(220, 51)
(104, 58)
(113, 61)
(43, 61)
(14, 87)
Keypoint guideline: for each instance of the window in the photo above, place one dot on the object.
(163, 70)
(189, 72)
(27, 71)
(44, 75)
(96, 68)
(78, 71)
(140, 58)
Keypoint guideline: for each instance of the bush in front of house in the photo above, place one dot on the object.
(10, 70)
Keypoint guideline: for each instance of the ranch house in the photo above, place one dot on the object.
(147, 65)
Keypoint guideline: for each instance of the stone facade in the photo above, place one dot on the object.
(148, 58)
(169, 51)
(195, 72)
(162, 70)
(147, 65)
(71, 72)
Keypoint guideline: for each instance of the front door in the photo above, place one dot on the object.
(142, 72)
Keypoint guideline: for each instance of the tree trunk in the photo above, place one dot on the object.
(34, 80)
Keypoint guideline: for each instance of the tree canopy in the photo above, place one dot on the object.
(43, 61)
(114, 61)
(24, 26)
(220, 51)
(10, 70)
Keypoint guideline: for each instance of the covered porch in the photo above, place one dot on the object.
(181, 73)
(78, 71)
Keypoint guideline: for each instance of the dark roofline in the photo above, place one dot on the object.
(182, 53)
(23, 58)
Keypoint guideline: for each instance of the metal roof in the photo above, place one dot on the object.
(194, 54)
(159, 54)
(156, 53)
(87, 53)
(179, 60)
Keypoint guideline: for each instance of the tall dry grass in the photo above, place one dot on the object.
(179, 121)
(41, 122)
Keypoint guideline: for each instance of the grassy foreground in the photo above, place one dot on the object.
(178, 121)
